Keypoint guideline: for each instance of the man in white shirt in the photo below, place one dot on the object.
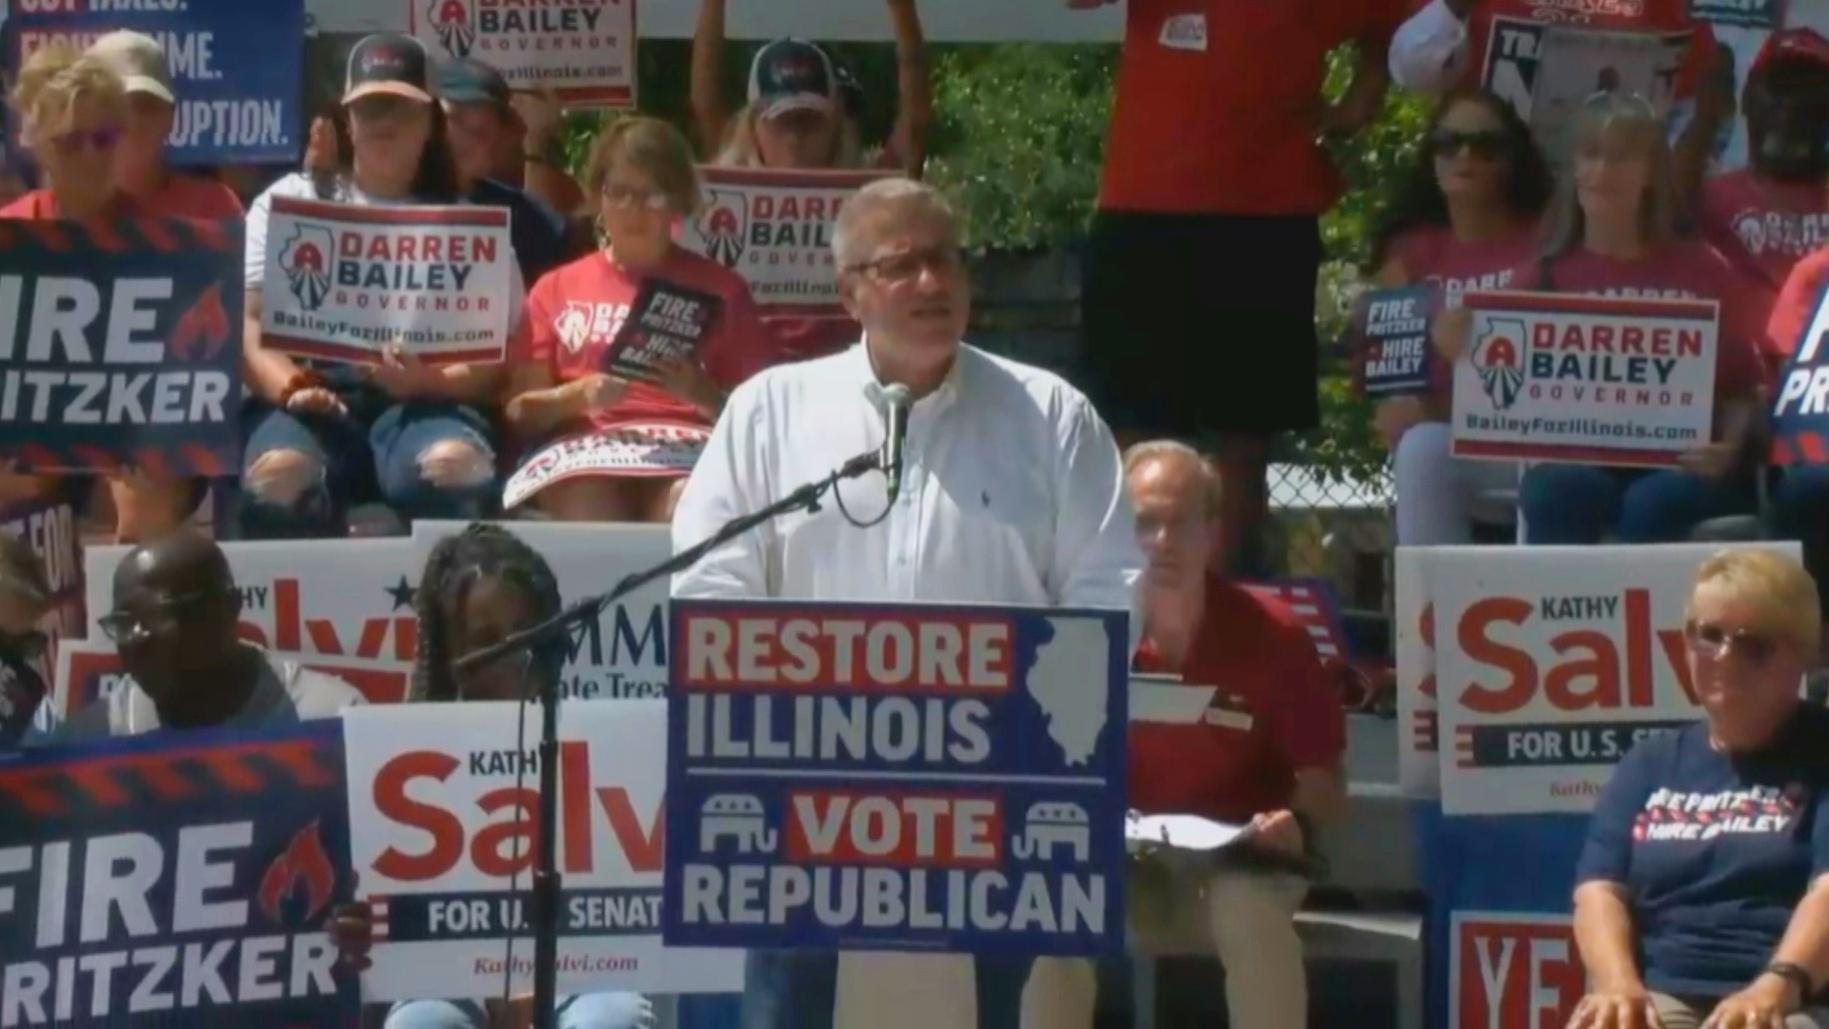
(174, 617)
(1011, 493)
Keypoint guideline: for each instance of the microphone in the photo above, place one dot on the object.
(897, 399)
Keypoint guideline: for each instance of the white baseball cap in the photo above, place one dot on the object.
(139, 61)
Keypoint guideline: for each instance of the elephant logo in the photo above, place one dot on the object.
(1051, 825)
(737, 816)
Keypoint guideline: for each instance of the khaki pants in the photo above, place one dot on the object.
(1679, 1014)
(1244, 917)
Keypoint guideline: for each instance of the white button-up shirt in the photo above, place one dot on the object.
(1012, 492)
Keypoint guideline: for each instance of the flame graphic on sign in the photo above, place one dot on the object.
(206, 323)
(305, 863)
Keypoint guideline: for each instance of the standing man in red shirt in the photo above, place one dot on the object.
(1207, 237)
(1267, 754)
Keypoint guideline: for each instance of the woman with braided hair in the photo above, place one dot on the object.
(480, 586)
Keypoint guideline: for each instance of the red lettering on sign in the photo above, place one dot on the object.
(1589, 670)
(393, 804)
(1515, 974)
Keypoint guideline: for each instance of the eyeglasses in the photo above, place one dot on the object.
(628, 198)
(1485, 144)
(100, 140)
(126, 627)
(1714, 641)
(909, 265)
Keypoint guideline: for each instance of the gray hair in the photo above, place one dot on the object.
(1142, 453)
(858, 223)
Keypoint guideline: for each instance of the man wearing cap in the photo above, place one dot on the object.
(139, 159)
(484, 128)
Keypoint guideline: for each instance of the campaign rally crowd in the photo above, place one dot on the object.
(619, 371)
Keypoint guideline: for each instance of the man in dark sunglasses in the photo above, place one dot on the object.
(173, 623)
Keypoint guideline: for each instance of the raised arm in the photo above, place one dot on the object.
(708, 110)
(1429, 51)
(914, 89)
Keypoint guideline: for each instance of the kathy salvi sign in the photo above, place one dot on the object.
(583, 50)
(442, 812)
(121, 346)
(774, 228)
(236, 67)
(896, 776)
(345, 283)
(175, 878)
(1590, 380)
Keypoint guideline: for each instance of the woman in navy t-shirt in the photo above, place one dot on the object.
(1703, 894)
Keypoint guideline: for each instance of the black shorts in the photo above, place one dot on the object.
(1199, 325)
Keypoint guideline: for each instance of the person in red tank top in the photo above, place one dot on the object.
(1266, 754)
(1769, 216)
(642, 173)
(1611, 233)
(1464, 219)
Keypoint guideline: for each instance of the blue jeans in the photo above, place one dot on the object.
(585, 1011)
(785, 989)
(1564, 503)
(352, 464)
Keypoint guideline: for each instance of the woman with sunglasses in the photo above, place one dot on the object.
(320, 436)
(1464, 220)
(1611, 232)
(647, 433)
(73, 110)
(479, 587)
(1702, 894)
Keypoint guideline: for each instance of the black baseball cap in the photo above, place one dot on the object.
(792, 75)
(467, 80)
(390, 64)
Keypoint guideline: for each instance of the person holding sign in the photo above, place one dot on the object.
(74, 109)
(1011, 493)
(141, 170)
(1464, 219)
(1703, 896)
(630, 351)
(1611, 233)
(480, 586)
(321, 437)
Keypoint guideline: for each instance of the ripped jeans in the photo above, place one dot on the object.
(301, 473)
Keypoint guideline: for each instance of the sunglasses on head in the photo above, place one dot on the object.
(1485, 144)
(1715, 641)
(99, 140)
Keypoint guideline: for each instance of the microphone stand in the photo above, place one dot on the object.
(545, 906)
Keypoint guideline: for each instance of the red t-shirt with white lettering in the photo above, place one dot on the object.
(1503, 37)
(592, 295)
(1217, 99)
(1680, 270)
(1765, 227)
(1797, 303)
(1275, 712)
(1430, 255)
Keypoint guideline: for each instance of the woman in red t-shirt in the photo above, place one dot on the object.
(73, 108)
(645, 436)
(1610, 234)
(1465, 218)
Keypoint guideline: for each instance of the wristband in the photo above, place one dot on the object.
(1797, 976)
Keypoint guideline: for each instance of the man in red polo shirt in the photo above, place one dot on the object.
(1267, 753)
(1206, 247)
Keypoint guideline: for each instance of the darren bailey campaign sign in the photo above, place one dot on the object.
(345, 282)
(1392, 329)
(1589, 380)
(896, 776)
(584, 50)
(121, 345)
(442, 809)
(774, 228)
(236, 67)
(1800, 418)
(177, 879)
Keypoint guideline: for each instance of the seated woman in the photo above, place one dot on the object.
(560, 386)
(74, 111)
(1611, 233)
(1702, 893)
(321, 437)
(1464, 220)
(479, 587)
